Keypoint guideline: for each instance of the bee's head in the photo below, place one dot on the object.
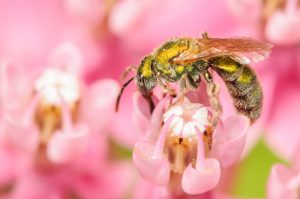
(146, 78)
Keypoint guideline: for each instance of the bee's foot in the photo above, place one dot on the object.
(173, 95)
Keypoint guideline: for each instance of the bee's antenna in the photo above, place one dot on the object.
(127, 71)
(121, 92)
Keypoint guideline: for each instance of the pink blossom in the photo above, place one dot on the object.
(185, 153)
(56, 130)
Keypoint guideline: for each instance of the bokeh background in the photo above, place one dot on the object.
(96, 40)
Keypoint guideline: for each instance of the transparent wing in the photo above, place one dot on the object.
(243, 49)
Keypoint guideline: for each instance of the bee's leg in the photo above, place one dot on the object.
(183, 85)
(127, 71)
(166, 87)
(213, 94)
(205, 35)
(194, 79)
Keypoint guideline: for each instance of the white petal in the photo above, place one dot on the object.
(175, 110)
(176, 125)
(189, 130)
(201, 115)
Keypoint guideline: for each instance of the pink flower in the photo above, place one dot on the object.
(186, 153)
(58, 130)
(284, 181)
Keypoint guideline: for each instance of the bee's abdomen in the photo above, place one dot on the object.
(243, 86)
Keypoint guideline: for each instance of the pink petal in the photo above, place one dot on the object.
(156, 170)
(229, 143)
(156, 120)
(65, 147)
(200, 181)
(283, 28)
(35, 186)
(97, 105)
(7, 170)
(95, 154)
(141, 113)
(146, 189)
(277, 183)
(24, 137)
(113, 182)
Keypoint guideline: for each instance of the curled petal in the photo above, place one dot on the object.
(198, 181)
(277, 186)
(156, 120)
(97, 105)
(141, 113)
(64, 147)
(156, 170)
(230, 141)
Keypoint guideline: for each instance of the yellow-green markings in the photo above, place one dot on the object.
(227, 65)
(170, 50)
(246, 76)
(146, 68)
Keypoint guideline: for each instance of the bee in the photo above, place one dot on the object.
(185, 60)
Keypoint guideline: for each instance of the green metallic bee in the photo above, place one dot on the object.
(185, 60)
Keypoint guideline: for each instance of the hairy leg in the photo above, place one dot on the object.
(213, 94)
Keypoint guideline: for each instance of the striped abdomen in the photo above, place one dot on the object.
(242, 84)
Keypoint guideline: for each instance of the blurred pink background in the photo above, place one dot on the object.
(70, 143)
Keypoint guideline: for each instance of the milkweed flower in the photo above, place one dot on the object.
(182, 150)
(53, 131)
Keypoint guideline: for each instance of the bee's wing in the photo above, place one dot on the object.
(243, 50)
